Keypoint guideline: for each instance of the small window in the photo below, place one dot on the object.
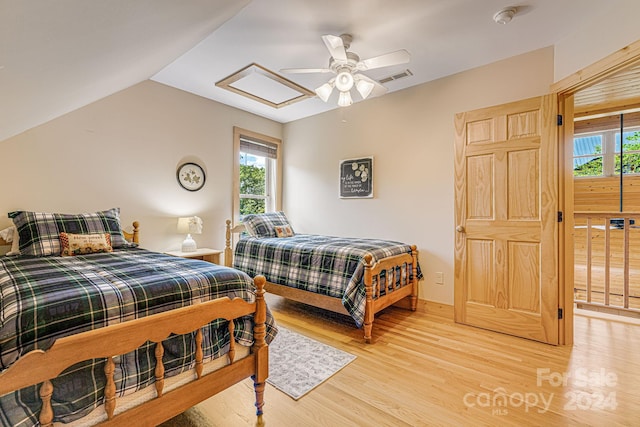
(588, 156)
(257, 170)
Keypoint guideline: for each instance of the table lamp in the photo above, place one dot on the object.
(189, 225)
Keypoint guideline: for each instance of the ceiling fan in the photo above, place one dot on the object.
(347, 66)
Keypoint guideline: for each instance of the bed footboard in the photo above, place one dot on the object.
(400, 284)
(42, 366)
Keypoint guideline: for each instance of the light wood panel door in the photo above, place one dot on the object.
(506, 250)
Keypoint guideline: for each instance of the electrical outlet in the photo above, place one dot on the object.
(439, 278)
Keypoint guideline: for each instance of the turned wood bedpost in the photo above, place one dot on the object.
(199, 353)
(136, 232)
(46, 413)
(232, 342)
(109, 388)
(159, 371)
(368, 289)
(134, 236)
(228, 253)
(260, 347)
(414, 279)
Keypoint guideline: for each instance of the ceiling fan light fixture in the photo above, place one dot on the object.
(364, 87)
(324, 91)
(346, 66)
(345, 99)
(344, 81)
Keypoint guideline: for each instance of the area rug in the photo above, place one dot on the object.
(192, 417)
(298, 364)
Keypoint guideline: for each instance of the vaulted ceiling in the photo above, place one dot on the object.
(57, 56)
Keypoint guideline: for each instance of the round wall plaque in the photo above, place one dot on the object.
(190, 176)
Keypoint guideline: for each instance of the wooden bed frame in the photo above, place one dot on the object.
(406, 290)
(41, 366)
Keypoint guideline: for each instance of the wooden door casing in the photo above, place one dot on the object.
(506, 250)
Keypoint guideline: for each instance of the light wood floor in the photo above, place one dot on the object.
(424, 370)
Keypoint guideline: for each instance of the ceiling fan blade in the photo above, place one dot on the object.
(305, 70)
(335, 45)
(386, 60)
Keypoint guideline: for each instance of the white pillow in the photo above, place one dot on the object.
(10, 235)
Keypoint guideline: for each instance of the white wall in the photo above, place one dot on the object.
(596, 40)
(123, 151)
(410, 133)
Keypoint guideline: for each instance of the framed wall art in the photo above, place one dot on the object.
(356, 178)
(190, 176)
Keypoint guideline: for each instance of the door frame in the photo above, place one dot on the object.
(565, 89)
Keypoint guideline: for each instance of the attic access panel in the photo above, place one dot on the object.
(263, 85)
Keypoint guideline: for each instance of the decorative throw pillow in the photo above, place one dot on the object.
(10, 235)
(283, 231)
(40, 232)
(82, 244)
(264, 225)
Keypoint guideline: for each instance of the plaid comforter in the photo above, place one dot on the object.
(325, 265)
(44, 298)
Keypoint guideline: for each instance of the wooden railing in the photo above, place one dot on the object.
(607, 261)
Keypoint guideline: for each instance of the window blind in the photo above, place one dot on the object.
(258, 148)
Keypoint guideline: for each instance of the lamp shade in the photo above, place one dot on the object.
(190, 225)
(344, 100)
(364, 87)
(324, 91)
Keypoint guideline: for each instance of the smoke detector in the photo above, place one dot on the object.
(505, 15)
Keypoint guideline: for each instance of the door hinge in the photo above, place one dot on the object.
(559, 119)
(559, 216)
(560, 313)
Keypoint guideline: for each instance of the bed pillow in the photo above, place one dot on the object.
(40, 232)
(284, 231)
(82, 244)
(264, 225)
(10, 235)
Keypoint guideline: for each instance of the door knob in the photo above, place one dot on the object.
(460, 229)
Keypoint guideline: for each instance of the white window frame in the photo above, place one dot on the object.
(273, 196)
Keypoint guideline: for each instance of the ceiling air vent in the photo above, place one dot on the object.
(402, 75)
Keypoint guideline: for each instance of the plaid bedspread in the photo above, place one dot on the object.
(44, 298)
(325, 265)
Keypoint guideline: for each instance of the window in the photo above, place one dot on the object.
(257, 173)
(598, 153)
(588, 155)
(631, 153)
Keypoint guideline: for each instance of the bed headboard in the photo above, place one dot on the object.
(134, 236)
(228, 250)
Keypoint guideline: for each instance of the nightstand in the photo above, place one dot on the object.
(204, 254)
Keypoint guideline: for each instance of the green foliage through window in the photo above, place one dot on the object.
(591, 168)
(252, 183)
(630, 161)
